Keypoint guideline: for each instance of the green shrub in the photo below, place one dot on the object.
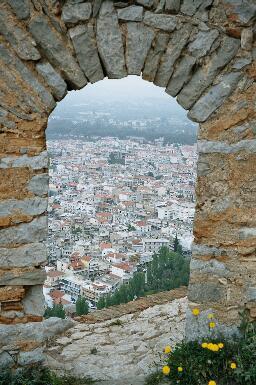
(218, 361)
(38, 375)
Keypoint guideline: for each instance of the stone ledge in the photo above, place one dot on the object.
(133, 306)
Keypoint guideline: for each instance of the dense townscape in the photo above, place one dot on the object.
(113, 204)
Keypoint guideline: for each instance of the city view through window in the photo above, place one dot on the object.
(121, 196)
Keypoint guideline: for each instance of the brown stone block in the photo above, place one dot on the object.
(14, 183)
(7, 306)
(11, 293)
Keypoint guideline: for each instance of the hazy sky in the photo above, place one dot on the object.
(126, 89)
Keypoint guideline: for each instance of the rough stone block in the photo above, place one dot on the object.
(132, 13)
(145, 3)
(54, 48)
(214, 98)
(189, 7)
(53, 79)
(164, 22)
(247, 38)
(154, 55)
(33, 302)
(11, 293)
(84, 41)
(172, 6)
(242, 11)
(14, 62)
(181, 75)
(74, 12)
(29, 206)
(19, 39)
(33, 254)
(206, 74)
(31, 357)
(34, 162)
(38, 184)
(25, 276)
(34, 231)
(211, 267)
(138, 43)
(203, 42)
(174, 48)
(109, 40)
(206, 292)
(21, 9)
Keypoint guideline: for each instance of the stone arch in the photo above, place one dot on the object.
(203, 52)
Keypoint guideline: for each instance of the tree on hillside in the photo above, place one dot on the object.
(55, 311)
(81, 306)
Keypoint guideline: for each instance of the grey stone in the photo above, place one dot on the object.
(207, 250)
(174, 48)
(96, 7)
(165, 22)
(16, 277)
(203, 168)
(33, 303)
(214, 98)
(14, 62)
(208, 147)
(172, 5)
(206, 292)
(212, 267)
(38, 184)
(19, 39)
(154, 55)
(145, 3)
(203, 43)
(132, 13)
(52, 44)
(247, 39)
(72, 13)
(181, 75)
(206, 74)
(139, 38)
(189, 7)
(28, 206)
(84, 41)
(247, 232)
(251, 294)
(33, 254)
(34, 162)
(241, 62)
(34, 231)
(31, 357)
(109, 40)
(33, 331)
(53, 79)
(242, 10)
(21, 9)
(6, 360)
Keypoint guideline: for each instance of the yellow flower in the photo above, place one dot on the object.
(221, 345)
(180, 369)
(212, 383)
(233, 365)
(196, 311)
(210, 316)
(167, 349)
(166, 370)
(212, 325)
(215, 348)
(204, 345)
(210, 346)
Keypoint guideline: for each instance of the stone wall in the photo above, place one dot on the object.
(123, 344)
(204, 53)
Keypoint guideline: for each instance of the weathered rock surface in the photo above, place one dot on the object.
(214, 98)
(35, 162)
(172, 6)
(206, 74)
(58, 54)
(132, 13)
(22, 10)
(138, 43)
(127, 348)
(33, 254)
(30, 206)
(39, 184)
(203, 42)
(173, 51)
(109, 40)
(84, 41)
(164, 22)
(181, 75)
(53, 79)
(74, 12)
